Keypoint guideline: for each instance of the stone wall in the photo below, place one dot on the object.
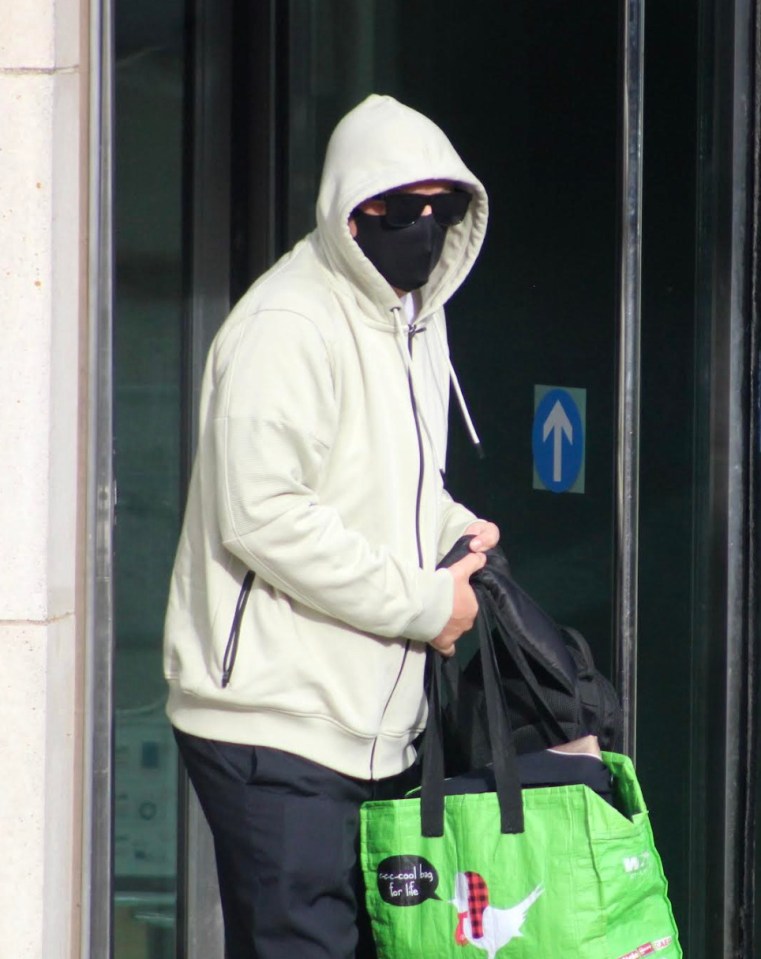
(43, 106)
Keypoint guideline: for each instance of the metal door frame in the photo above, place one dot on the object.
(97, 854)
(726, 618)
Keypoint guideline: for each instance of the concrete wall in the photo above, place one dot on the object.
(42, 190)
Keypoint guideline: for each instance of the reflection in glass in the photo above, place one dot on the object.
(147, 356)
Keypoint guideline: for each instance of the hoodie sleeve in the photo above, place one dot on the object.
(455, 519)
(274, 416)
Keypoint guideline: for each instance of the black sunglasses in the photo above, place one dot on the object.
(404, 209)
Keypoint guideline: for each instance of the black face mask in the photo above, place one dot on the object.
(404, 256)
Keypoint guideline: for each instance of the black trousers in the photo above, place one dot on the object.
(286, 841)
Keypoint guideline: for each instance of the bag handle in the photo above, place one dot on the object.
(432, 775)
(500, 735)
(547, 717)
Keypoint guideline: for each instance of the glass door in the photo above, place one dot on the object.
(149, 252)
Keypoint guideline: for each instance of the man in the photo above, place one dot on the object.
(305, 590)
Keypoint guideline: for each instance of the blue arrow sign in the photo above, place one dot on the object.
(557, 439)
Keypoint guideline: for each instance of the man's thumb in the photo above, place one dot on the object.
(472, 563)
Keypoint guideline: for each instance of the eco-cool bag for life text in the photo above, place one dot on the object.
(543, 873)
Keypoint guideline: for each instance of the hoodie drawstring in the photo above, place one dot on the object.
(467, 418)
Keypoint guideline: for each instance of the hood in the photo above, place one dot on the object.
(379, 145)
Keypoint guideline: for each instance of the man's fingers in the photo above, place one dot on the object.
(465, 604)
(445, 650)
(485, 535)
(469, 564)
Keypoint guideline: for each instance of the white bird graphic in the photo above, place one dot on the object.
(481, 924)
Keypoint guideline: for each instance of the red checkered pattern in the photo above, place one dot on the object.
(478, 900)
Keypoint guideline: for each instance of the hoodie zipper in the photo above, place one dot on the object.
(412, 330)
(231, 649)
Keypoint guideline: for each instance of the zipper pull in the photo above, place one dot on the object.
(412, 330)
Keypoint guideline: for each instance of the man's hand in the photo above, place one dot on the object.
(465, 605)
(485, 535)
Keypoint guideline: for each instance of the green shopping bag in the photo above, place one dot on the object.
(581, 880)
(541, 873)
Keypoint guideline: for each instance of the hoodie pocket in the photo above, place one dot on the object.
(231, 649)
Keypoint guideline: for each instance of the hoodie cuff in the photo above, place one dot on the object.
(438, 600)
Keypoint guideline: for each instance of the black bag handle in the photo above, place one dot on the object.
(432, 776)
(547, 717)
(500, 734)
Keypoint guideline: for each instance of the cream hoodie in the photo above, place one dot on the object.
(319, 469)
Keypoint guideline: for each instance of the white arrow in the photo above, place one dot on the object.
(558, 423)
